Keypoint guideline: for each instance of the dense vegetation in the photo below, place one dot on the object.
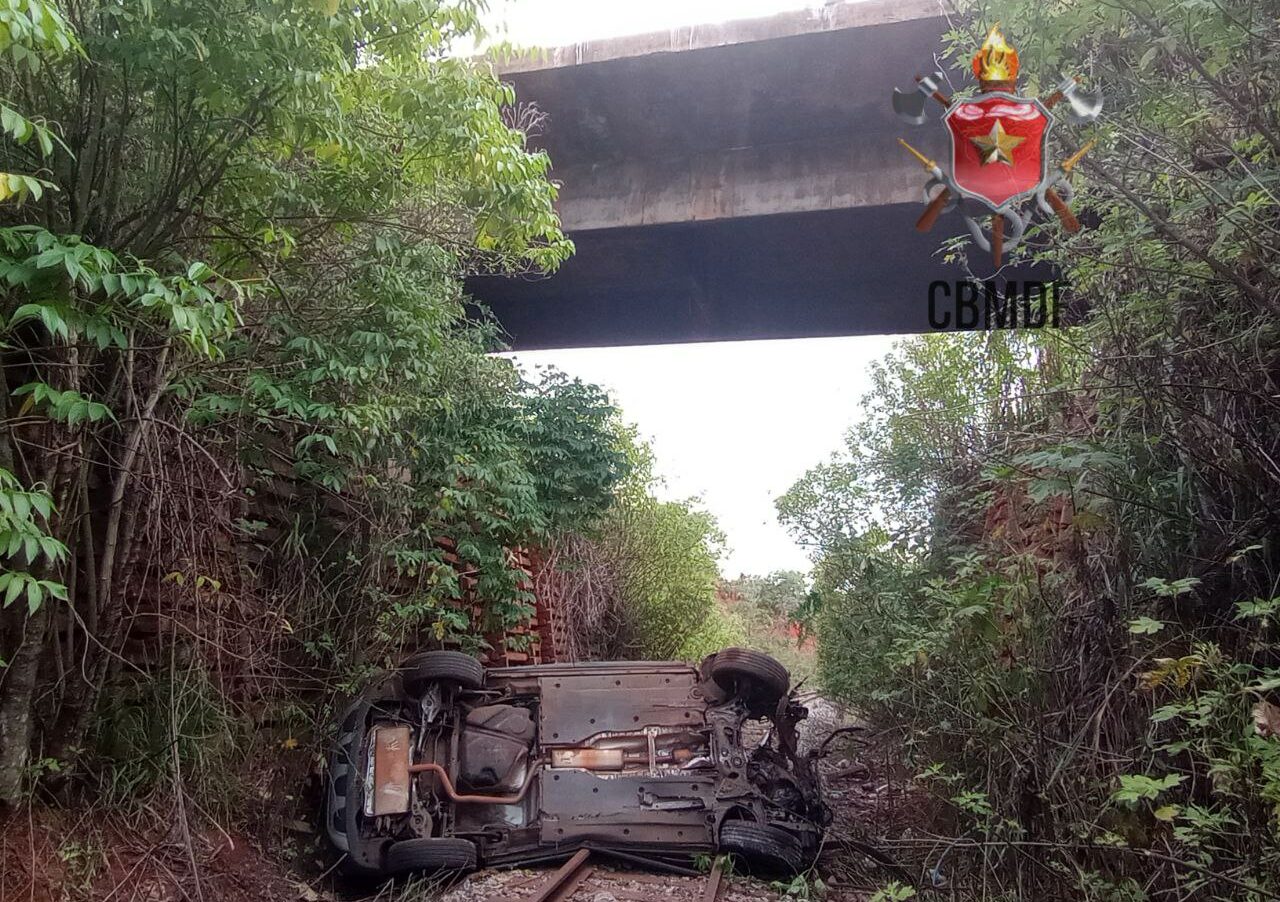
(1048, 562)
(641, 583)
(251, 447)
(767, 612)
(242, 406)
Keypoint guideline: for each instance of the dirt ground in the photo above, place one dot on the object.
(50, 857)
(608, 884)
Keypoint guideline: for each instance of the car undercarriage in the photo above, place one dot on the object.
(443, 765)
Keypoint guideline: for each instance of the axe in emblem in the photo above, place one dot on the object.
(910, 104)
(1083, 106)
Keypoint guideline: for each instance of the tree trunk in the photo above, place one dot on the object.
(18, 680)
(76, 716)
(15, 705)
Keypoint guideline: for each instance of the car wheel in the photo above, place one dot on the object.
(753, 676)
(763, 848)
(359, 857)
(427, 667)
(436, 854)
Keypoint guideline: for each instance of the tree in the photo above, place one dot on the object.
(778, 594)
(1010, 540)
(639, 582)
(668, 553)
(233, 252)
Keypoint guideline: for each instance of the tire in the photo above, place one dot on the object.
(763, 848)
(436, 854)
(359, 858)
(752, 676)
(427, 667)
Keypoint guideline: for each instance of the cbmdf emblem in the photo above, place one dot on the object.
(998, 171)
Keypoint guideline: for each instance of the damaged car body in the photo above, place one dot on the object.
(444, 765)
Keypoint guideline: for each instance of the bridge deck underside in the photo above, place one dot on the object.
(839, 272)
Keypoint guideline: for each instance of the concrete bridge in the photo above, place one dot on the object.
(733, 181)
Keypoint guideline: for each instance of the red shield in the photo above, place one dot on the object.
(998, 146)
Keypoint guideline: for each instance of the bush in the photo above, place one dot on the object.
(254, 405)
(641, 583)
(1048, 560)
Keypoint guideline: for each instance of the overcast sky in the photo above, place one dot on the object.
(735, 423)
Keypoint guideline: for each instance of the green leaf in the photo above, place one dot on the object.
(1263, 686)
(1137, 787)
(1145, 626)
(1171, 588)
(1258, 608)
(13, 585)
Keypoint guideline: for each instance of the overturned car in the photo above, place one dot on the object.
(444, 765)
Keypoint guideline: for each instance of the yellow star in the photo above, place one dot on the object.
(998, 146)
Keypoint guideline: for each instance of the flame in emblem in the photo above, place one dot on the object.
(996, 60)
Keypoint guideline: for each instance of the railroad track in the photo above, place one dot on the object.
(581, 879)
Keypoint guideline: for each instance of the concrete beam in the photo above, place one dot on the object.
(834, 173)
(733, 181)
(779, 115)
(860, 271)
(835, 272)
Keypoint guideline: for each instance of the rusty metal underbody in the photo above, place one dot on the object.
(545, 758)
